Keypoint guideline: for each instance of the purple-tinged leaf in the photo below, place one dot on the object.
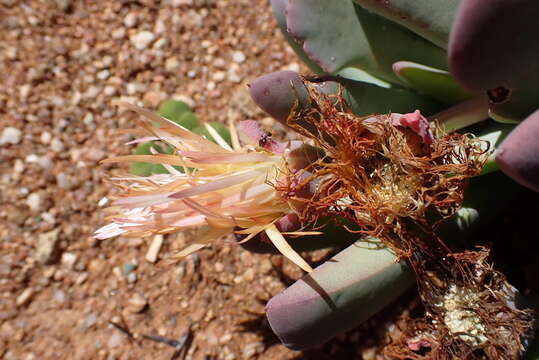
(430, 19)
(518, 155)
(346, 290)
(494, 43)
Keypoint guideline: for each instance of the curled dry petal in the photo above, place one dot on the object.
(416, 122)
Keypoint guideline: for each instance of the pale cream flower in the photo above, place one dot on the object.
(222, 187)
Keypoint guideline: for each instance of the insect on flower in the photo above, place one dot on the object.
(222, 187)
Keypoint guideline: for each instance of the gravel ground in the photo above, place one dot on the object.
(62, 62)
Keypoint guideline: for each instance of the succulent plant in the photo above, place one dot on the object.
(376, 167)
(460, 63)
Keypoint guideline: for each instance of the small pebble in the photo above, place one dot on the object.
(137, 303)
(103, 202)
(46, 246)
(249, 274)
(45, 137)
(130, 20)
(25, 297)
(219, 76)
(45, 162)
(63, 181)
(57, 145)
(117, 272)
(88, 119)
(63, 4)
(109, 90)
(225, 338)
(218, 267)
(132, 278)
(160, 43)
(91, 92)
(69, 259)
(59, 296)
(48, 218)
(128, 268)
(31, 158)
(118, 33)
(34, 202)
(142, 39)
(115, 339)
(103, 74)
(10, 135)
(238, 57)
(18, 166)
(90, 321)
(24, 91)
(172, 64)
(81, 279)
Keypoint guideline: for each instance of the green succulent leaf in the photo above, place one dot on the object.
(365, 98)
(430, 19)
(358, 39)
(147, 169)
(141, 168)
(522, 100)
(173, 109)
(494, 134)
(188, 120)
(279, 12)
(436, 83)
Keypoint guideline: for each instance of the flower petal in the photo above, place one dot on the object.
(282, 245)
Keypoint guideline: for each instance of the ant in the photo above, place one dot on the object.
(264, 139)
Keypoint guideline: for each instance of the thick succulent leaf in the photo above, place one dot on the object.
(188, 120)
(173, 109)
(348, 289)
(494, 134)
(494, 43)
(147, 169)
(279, 12)
(276, 93)
(463, 114)
(339, 34)
(360, 75)
(430, 19)
(521, 101)
(518, 155)
(365, 98)
(437, 83)
(361, 281)
(141, 169)
(484, 199)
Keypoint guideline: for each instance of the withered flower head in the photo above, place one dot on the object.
(383, 170)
